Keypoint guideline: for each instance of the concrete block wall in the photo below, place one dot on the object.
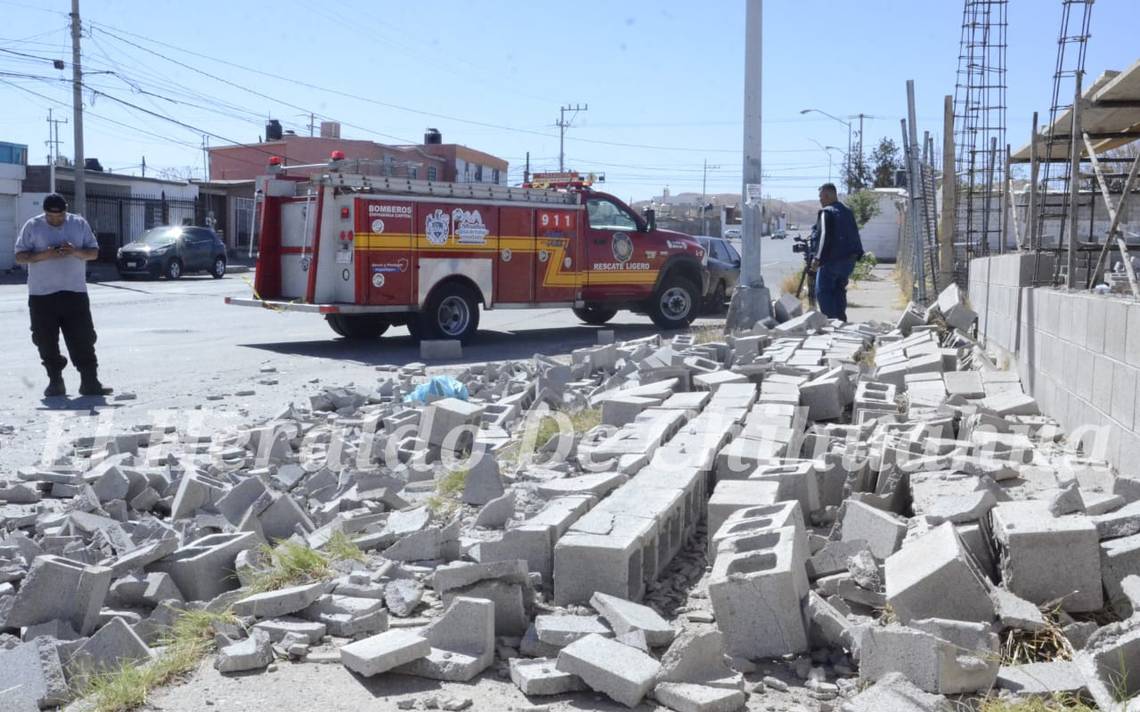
(1080, 358)
(995, 294)
(1077, 353)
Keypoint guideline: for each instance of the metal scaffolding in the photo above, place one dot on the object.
(979, 128)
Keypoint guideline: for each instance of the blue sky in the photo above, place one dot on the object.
(663, 80)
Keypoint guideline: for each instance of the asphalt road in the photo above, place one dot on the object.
(177, 346)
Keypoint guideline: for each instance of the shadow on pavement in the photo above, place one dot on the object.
(488, 345)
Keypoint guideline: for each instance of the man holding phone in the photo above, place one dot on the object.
(56, 247)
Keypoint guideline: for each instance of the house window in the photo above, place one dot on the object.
(431, 173)
(413, 173)
(478, 174)
(495, 175)
(389, 165)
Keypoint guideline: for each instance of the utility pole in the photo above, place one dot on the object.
(526, 171)
(751, 302)
(79, 200)
(705, 197)
(144, 166)
(205, 156)
(312, 124)
(53, 144)
(563, 124)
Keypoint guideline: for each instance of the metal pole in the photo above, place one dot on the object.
(1007, 203)
(949, 196)
(79, 201)
(1074, 182)
(916, 177)
(1031, 212)
(51, 157)
(751, 300)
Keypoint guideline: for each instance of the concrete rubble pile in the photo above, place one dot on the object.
(872, 508)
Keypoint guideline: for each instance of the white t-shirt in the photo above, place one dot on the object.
(65, 274)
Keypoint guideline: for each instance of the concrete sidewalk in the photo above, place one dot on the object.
(877, 298)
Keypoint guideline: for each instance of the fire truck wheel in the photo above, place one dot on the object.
(594, 315)
(357, 327)
(675, 303)
(451, 312)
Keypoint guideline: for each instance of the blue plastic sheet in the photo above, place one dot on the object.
(439, 386)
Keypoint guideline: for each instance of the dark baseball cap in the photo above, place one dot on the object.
(55, 203)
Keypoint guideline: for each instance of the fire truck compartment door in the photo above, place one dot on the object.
(296, 254)
(385, 259)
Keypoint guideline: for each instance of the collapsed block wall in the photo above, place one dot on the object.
(1077, 353)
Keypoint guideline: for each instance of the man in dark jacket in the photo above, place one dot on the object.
(836, 248)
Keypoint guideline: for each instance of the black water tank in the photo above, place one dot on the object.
(432, 137)
(92, 164)
(273, 130)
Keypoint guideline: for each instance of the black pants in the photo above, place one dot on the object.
(69, 312)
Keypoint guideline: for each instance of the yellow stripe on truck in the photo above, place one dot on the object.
(555, 276)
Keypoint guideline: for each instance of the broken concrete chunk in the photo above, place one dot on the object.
(383, 652)
(934, 577)
(253, 653)
(281, 602)
(620, 672)
(462, 642)
(624, 616)
(56, 587)
(541, 676)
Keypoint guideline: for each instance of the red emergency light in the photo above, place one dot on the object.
(337, 155)
(275, 160)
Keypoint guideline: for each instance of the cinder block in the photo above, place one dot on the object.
(205, 567)
(383, 652)
(622, 673)
(560, 630)
(883, 531)
(56, 587)
(607, 553)
(1032, 541)
(450, 422)
(757, 594)
(541, 676)
(1108, 667)
(757, 520)
(1124, 378)
(688, 697)
(932, 577)
(950, 658)
(731, 495)
(272, 604)
(797, 481)
(1119, 558)
(462, 642)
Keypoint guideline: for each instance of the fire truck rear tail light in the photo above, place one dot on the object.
(345, 213)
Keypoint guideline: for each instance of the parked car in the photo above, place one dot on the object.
(779, 234)
(172, 251)
(732, 233)
(724, 271)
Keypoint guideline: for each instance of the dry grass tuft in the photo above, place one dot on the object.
(129, 686)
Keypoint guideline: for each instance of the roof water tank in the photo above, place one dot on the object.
(273, 130)
(432, 137)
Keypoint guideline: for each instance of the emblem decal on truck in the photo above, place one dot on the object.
(377, 225)
(622, 247)
(469, 228)
(437, 227)
(378, 280)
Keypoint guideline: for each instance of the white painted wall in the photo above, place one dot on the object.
(881, 233)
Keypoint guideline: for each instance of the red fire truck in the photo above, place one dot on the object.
(371, 252)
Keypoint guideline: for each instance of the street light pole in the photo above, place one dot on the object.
(847, 157)
(751, 301)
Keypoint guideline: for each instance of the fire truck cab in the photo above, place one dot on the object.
(369, 252)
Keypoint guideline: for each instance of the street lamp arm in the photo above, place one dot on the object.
(830, 116)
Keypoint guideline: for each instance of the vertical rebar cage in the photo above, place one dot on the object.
(979, 134)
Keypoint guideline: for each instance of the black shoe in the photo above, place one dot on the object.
(56, 387)
(92, 387)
